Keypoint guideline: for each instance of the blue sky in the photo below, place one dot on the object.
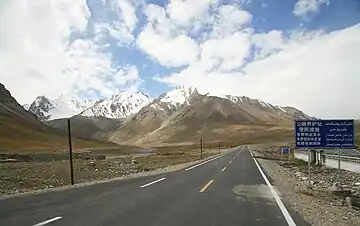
(279, 51)
(267, 16)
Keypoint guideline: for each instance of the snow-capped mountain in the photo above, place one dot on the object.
(180, 95)
(249, 101)
(118, 106)
(26, 106)
(63, 106)
(125, 104)
(173, 99)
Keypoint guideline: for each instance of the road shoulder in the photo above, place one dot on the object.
(315, 210)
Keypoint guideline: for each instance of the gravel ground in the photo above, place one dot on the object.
(24, 177)
(318, 206)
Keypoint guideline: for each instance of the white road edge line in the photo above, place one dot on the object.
(153, 182)
(48, 221)
(281, 205)
(223, 169)
(202, 163)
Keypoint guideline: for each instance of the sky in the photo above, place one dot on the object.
(304, 53)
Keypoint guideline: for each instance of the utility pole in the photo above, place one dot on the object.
(70, 154)
(219, 147)
(201, 148)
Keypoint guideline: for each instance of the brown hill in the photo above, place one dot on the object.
(88, 127)
(20, 129)
(211, 118)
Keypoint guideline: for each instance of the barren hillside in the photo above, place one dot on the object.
(20, 129)
(211, 118)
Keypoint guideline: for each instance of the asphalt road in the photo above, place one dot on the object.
(229, 190)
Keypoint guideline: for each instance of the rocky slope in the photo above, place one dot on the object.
(118, 106)
(180, 114)
(10, 109)
(65, 106)
(21, 129)
(196, 115)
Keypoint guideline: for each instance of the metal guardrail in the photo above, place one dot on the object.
(343, 158)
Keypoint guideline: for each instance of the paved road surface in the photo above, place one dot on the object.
(229, 190)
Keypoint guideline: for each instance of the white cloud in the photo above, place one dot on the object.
(304, 7)
(230, 51)
(116, 30)
(166, 40)
(315, 72)
(123, 26)
(163, 42)
(40, 56)
(187, 13)
(176, 51)
(158, 19)
(268, 43)
(230, 18)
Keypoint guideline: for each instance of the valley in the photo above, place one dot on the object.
(128, 133)
(131, 136)
(178, 116)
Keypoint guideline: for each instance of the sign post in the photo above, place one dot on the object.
(339, 169)
(284, 150)
(309, 168)
(324, 134)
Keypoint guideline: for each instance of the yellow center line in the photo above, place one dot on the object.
(206, 186)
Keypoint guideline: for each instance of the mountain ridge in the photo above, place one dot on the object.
(200, 113)
(22, 130)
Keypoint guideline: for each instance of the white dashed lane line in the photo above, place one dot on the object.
(153, 182)
(202, 163)
(48, 221)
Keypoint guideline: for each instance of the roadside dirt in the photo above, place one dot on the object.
(318, 208)
(20, 177)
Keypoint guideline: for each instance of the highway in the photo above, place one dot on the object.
(226, 190)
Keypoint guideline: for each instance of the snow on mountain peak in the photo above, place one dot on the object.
(179, 95)
(26, 106)
(65, 106)
(118, 106)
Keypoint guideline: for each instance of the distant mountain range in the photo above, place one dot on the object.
(125, 104)
(184, 114)
(64, 106)
(180, 115)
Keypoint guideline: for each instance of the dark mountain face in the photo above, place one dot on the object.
(39, 106)
(11, 109)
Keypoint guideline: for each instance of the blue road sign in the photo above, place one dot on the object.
(285, 150)
(324, 134)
